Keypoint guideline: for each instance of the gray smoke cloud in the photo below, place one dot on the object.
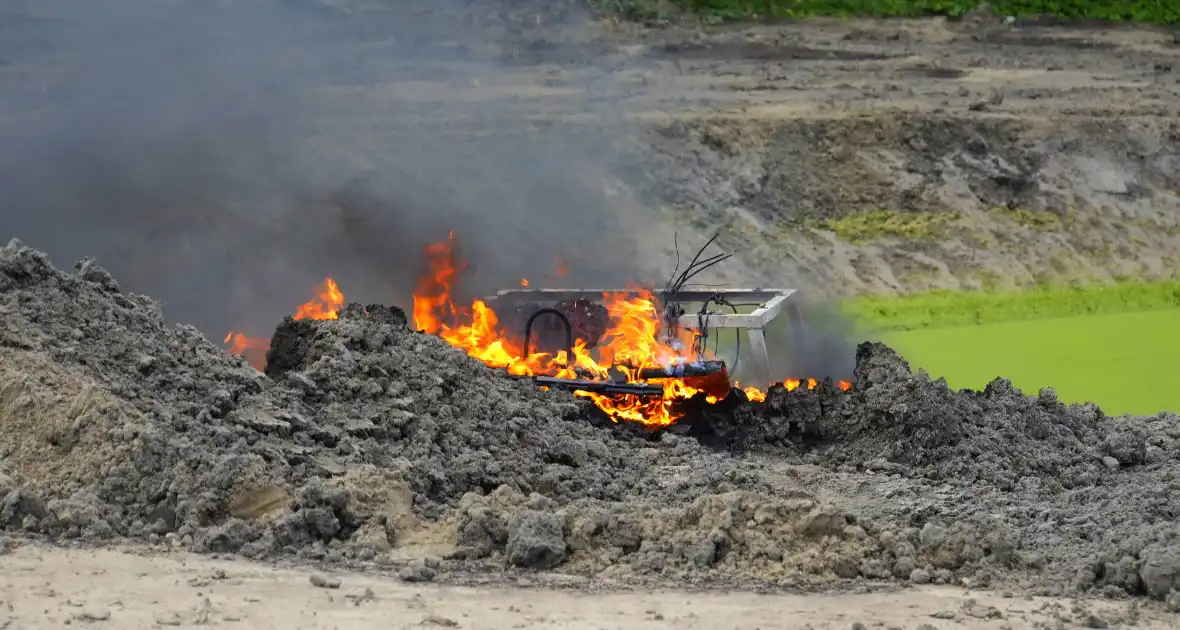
(818, 345)
(826, 348)
(227, 156)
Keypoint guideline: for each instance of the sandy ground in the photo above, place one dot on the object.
(135, 588)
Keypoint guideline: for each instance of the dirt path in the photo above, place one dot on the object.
(130, 589)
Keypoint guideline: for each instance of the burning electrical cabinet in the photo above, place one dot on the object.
(554, 320)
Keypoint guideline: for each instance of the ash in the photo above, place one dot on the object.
(369, 444)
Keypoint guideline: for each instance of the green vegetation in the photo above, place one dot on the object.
(1152, 11)
(941, 309)
(860, 227)
(1111, 344)
(739, 9)
(1032, 219)
(1123, 362)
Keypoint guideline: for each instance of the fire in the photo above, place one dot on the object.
(253, 349)
(325, 305)
(630, 343)
(752, 393)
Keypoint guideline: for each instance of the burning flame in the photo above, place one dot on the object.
(325, 305)
(756, 395)
(254, 349)
(630, 343)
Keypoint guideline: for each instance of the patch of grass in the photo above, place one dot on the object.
(1032, 219)
(872, 225)
(751, 9)
(939, 309)
(1156, 226)
(642, 10)
(1151, 11)
(1120, 361)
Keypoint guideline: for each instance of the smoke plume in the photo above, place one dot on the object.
(227, 156)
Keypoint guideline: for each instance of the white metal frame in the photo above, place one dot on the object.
(772, 302)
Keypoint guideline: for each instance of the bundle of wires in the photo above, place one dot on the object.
(695, 267)
(673, 308)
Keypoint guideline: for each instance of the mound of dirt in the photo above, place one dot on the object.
(369, 442)
(998, 435)
(202, 436)
(898, 420)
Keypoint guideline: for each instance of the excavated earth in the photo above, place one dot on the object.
(849, 157)
(372, 445)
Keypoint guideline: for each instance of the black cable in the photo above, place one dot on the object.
(676, 247)
(703, 330)
(701, 251)
(696, 268)
(700, 343)
(672, 310)
(705, 265)
(678, 282)
(737, 334)
(700, 338)
(569, 332)
(737, 341)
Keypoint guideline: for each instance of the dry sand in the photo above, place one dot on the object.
(134, 588)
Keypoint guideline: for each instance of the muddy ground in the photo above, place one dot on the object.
(380, 448)
(858, 156)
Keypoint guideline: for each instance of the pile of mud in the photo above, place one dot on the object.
(998, 436)
(909, 423)
(369, 442)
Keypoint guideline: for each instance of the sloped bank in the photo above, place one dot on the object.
(896, 202)
(380, 445)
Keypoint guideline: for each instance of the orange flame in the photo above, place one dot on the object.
(630, 343)
(325, 305)
(253, 349)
